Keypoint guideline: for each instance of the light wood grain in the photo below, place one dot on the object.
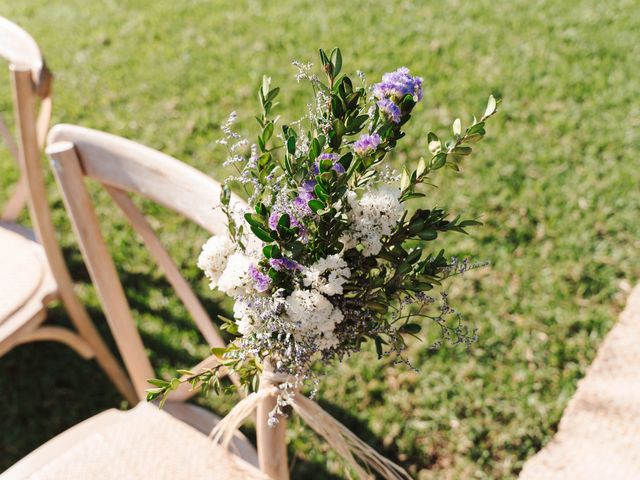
(122, 166)
(68, 172)
(32, 90)
(271, 441)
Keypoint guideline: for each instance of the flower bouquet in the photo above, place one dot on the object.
(327, 255)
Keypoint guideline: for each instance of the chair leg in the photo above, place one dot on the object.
(62, 335)
(89, 333)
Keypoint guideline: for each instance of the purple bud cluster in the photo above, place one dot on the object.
(396, 85)
(366, 144)
(261, 281)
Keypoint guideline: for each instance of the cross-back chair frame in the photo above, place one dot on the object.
(32, 105)
(122, 167)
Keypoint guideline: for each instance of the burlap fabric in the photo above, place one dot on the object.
(143, 443)
(599, 435)
(22, 268)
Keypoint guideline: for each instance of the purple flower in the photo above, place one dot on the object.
(390, 110)
(306, 190)
(328, 156)
(396, 85)
(261, 282)
(285, 264)
(366, 144)
(274, 218)
(334, 157)
(301, 207)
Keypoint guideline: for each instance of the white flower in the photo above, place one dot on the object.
(313, 317)
(213, 258)
(235, 280)
(327, 275)
(242, 314)
(372, 217)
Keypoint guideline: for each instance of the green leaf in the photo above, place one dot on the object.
(414, 256)
(219, 351)
(273, 94)
(314, 150)
(378, 343)
(412, 328)
(457, 127)
(428, 235)
(462, 151)
(285, 221)
(337, 61)
(469, 223)
(291, 145)
(158, 382)
(326, 165)
(491, 107)
(438, 161)
(421, 286)
(422, 167)
(266, 83)
(405, 180)
(315, 205)
(267, 132)
(253, 221)
(476, 129)
(261, 233)
(321, 193)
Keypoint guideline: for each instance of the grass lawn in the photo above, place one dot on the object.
(556, 184)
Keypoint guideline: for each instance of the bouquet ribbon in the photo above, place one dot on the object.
(340, 438)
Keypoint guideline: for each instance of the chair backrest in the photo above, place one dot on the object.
(123, 166)
(31, 82)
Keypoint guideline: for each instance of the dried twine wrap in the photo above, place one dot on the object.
(339, 437)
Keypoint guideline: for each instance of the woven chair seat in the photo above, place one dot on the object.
(25, 278)
(599, 434)
(141, 443)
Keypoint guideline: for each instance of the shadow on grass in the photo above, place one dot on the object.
(47, 388)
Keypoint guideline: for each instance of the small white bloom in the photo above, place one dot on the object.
(327, 275)
(235, 280)
(213, 257)
(313, 317)
(372, 217)
(243, 315)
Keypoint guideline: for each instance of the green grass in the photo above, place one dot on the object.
(556, 183)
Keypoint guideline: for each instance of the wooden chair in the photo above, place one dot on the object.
(32, 268)
(122, 166)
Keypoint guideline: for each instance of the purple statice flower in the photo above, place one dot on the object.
(273, 220)
(285, 264)
(366, 144)
(334, 157)
(305, 192)
(328, 156)
(396, 85)
(301, 207)
(261, 282)
(390, 110)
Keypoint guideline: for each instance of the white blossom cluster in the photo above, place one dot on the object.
(214, 256)
(327, 275)
(313, 317)
(372, 217)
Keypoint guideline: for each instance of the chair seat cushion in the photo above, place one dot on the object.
(599, 434)
(141, 443)
(22, 270)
